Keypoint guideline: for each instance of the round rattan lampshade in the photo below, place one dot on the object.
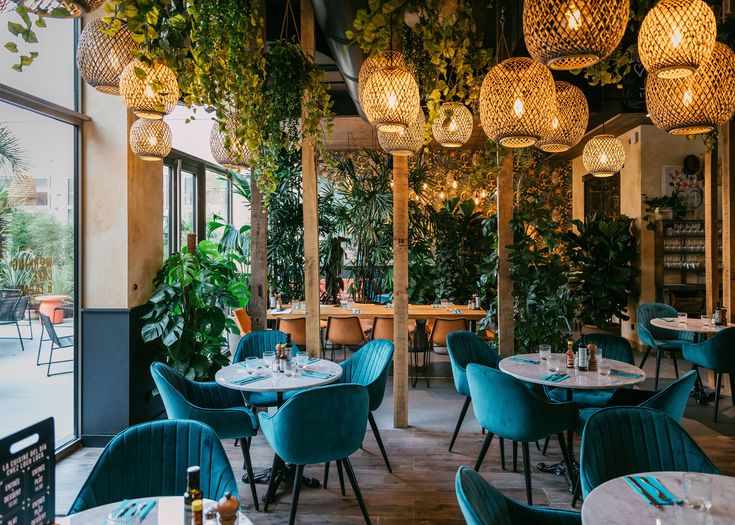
(152, 96)
(76, 8)
(569, 122)
(697, 103)
(22, 189)
(405, 142)
(390, 96)
(150, 139)
(372, 64)
(517, 102)
(101, 58)
(453, 125)
(237, 155)
(573, 34)
(603, 155)
(676, 37)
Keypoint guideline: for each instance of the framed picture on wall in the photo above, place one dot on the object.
(687, 183)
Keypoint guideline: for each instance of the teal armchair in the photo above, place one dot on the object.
(316, 426)
(620, 441)
(660, 339)
(253, 345)
(716, 354)
(466, 347)
(506, 407)
(150, 460)
(483, 504)
(220, 408)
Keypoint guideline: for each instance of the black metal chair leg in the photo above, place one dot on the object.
(527, 471)
(718, 387)
(296, 492)
(462, 413)
(645, 357)
(483, 450)
(546, 445)
(658, 368)
(676, 365)
(326, 474)
(273, 482)
(376, 433)
(577, 494)
(245, 447)
(20, 337)
(341, 477)
(502, 453)
(427, 366)
(356, 489)
(567, 459)
(415, 359)
(732, 387)
(515, 456)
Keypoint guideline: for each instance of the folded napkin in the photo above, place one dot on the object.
(282, 311)
(316, 375)
(122, 505)
(313, 360)
(145, 508)
(356, 311)
(525, 361)
(648, 483)
(388, 306)
(248, 380)
(436, 306)
(344, 306)
(623, 374)
(556, 377)
(456, 311)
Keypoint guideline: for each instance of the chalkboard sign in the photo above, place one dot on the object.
(27, 476)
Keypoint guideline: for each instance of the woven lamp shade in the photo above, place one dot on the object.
(237, 155)
(569, 122)
(76, 8)
(390, 96)
(150, 139)
(697, 103)
(405, 142)
(453, 126)
(101, 58)
(573, 34)
(372, 64)
(517, 102)
(22, 189)
(150, 97)
(603, 155)
(676, 37)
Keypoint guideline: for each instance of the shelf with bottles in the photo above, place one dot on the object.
(686, 229)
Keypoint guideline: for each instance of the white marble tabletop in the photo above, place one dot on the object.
(616, 503)
(690, 324)
(278, 382)
(577, 380)
(168, 511)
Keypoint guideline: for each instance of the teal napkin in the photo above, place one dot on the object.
(555, 378)
(145, 508)
(313, 360)
(623, 374)
(525, 361)
(248, 380)
(456, 311)
(388, 306)
(123, 503)
(436, 306)
(356, 311)
(670, 499)
(316, 375)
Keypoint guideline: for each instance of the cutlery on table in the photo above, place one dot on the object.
(145, 509)
(643, 491)
(659, 493)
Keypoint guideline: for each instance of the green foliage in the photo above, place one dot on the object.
(602, 253)
(186, 313)
(12, 157)
(41, 233)
(653, 205)
(332, 255)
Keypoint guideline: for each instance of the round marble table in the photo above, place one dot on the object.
(615, 502)
(691, 324)
(168, 511)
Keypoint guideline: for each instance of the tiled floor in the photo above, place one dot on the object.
(421, 488)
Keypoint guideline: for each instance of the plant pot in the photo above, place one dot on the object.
(664, 214)
(613, 329)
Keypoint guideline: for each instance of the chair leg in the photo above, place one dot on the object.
(296, 492)
(546, 445)
(577, 494)
(245, 447)
(40, 343)
(515, 456)
(459, 421)
(415, 359)
(427, 366)
(676, 364)
(658, 367)
(341, 477)
(20, 337)
(645, 357)
(502, 453)
(50, 360)
(718, 387)
(565, 455)
(538, 447)
(527, 471)
(376, 433)
(732, 387)
(356, 489)
(273, 482)
(326, 474)
(483, 450)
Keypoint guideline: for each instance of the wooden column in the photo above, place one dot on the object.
(504, 203)
(258, 307)
(310, 207)
(711, 244)
(400, 291)
(727, 145)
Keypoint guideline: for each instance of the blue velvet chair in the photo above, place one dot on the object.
(716, 354)
(150, 460)
(660, 339)
(619, 441)
(220, 408)
(483, 504)
(316, 426)
(466, 347)
(504, 406)
(253, 345)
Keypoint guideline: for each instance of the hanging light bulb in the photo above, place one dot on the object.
(603, 155)
(676, 37)
(454, 184)
(697, 103)
(405, 142)
(569, 122)
(517, 102)
(235, 156)
(390, 96)
(101, 57)
(483, 194)
(149, 92)
(453, 125)
(573, 34)
(441, 195)
(150, 139)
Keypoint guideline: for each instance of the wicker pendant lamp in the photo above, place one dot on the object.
(151, 95)
(76, 8)
(569, 122)
(517, 102)
(101, 58)
(237, 155)
(603, 155)
(372, 64)
(573, 34)
(22, 189)
(150, 139)
(697, 103)
(391, 97)
(676, 37)
(453, 125)
(405, 142)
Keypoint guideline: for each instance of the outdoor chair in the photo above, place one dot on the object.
(13, 309)
(343, 332)
(57, 343)
(383, 328)
(437, 338)
(242, 320)
(295, 326)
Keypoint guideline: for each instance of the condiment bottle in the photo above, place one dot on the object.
(227, 508)
(193, 493)
(197, 512)
(592, 364)
(582, 358)
(570, 354)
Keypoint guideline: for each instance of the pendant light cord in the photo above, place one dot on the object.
(285, 23)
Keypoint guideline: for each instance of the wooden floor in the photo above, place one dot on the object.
(421, 488)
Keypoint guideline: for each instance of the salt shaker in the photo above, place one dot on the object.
(227, 508)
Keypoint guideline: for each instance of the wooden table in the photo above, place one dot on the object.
(369, 311)
(49, 305)
(691, 324)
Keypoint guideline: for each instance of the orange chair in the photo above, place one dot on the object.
(344, 332)
(441, 328)
(242, 320)
(383, 328)
(296, 326)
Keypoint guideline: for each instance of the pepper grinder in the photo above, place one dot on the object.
(227, 508)
(592, 364)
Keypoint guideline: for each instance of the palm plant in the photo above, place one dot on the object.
(12, 157)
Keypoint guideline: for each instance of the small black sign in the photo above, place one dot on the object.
(27, 476)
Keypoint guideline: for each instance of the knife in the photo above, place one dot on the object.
(643, 491)
(660, 494)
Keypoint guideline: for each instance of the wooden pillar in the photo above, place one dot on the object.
(727, 145)
(258, 307)
(711, 244)
(504, 203)
(400, 291)
(311, 203)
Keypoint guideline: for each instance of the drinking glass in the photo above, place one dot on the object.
(544, 351)
(302, 359)
(697, 491)
(603, 366)
(268, 357)
(289, 368)
(706, 319)
(251, 364)
(682, 317)
(445, 303)
(553, 362)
